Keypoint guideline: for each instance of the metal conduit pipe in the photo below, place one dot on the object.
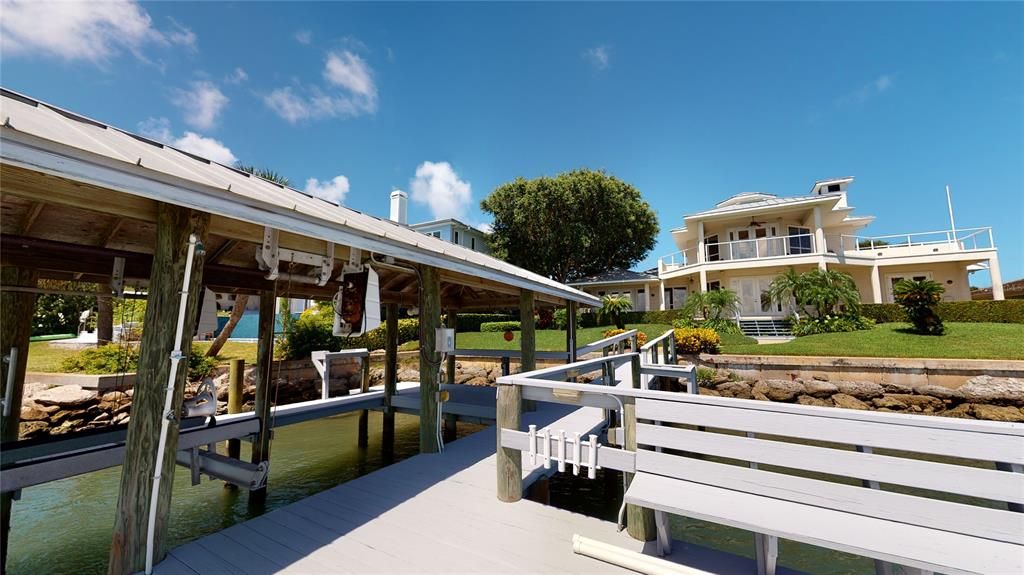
(627, 559)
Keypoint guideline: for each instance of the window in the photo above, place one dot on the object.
(799, 240)
(455, 235)
(712, 247)
(833, 187)
(435, 234)
(714, 286)
(472, 243)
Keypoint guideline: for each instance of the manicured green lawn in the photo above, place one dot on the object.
(47, 358)
(962, 340)
(549, 339)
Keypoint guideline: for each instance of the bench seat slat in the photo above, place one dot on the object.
(961, 479)
(982, 446)
(899, 543)
(984, 522)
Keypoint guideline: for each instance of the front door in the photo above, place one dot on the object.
(753, 296)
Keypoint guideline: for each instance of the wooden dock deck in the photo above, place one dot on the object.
(430, 513)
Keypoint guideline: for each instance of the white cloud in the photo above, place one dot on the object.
(201, 103)
(83, 30)
(439, 187)
(598, 56)
(485, 228)
(304, 37)
(334, 189)
(237, 76)
(159, 129)
(867, 91)
(351, 92)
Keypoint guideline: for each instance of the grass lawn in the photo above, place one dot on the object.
(962, 341)
(550, 339)
(47, 358)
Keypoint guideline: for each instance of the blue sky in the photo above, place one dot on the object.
(689, 102)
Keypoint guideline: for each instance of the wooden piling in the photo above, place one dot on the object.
(430, 365)
(104, 319)
(236, 389)
(509, 461)
(390, 374)
(128, 546)
(639, 521)
(527, 339)
(364, 415)
(264, 392)
(16, 309)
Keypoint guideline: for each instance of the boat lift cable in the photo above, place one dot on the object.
(168, 412)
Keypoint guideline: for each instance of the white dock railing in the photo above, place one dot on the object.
(956, 508)
(322, 363)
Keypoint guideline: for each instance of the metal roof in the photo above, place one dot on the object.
(44, 138)
(616, 276)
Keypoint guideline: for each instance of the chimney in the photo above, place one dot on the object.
(399, 207)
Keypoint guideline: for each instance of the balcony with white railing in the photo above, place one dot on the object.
(756, 248)
(921, 243)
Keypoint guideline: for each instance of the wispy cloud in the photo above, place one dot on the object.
(83, 30)
(598, 56)
(350, 91)
(200, 104)
(867, 91)
(237, 76)
(333, 190)
(440, 188)
(159, 129)
(304, 37)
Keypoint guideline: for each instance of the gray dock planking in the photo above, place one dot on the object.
(431, 513)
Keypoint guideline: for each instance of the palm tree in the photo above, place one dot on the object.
(785, 288)
(918, 298)
(712, 305)
(266, 174)
(825, 290)
(613, 306)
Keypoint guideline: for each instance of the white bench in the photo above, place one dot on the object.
(714, 476)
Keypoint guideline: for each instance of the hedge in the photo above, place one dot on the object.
(499, 326)
(595, 319)
(1007, 311)
(472, 321)
(313, 331)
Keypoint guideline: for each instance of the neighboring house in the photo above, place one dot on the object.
(641, 288)
(748, 239)
(1011, 290)
(449, 230)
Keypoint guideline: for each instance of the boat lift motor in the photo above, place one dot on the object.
(357, 303)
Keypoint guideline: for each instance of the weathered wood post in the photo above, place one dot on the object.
(104, 319)
(16, 311)
(364, 415)
(527, 339)
(509, 461)
(236, 378)
(639, 521)
(450, 419)
(390, 375)
(128, 547)
(264, 396)
(430, 365)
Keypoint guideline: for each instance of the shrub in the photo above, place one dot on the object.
(721, 325)
(918, 299)
(706, 375)
(471, 321)
(683, 322)
(830, 324)
(313, 331)
(499, 326)
(561, 319)
(819, 292)
(712, 305)
(545, 318)
(697, 340)
(1008, 311)
(114, 358)
(641, 337)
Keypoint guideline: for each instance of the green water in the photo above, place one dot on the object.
(66, 526)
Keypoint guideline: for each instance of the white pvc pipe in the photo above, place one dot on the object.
(629, 559)
(12, 370)
(168, 415)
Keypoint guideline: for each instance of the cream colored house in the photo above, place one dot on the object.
(745, 241)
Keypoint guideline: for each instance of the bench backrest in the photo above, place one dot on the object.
(841, 459)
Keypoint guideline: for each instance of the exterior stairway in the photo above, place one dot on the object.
(765, 327)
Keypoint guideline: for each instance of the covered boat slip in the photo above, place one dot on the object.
(89, 202)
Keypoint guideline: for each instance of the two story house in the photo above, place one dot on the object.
(448, 229)
(745, 241)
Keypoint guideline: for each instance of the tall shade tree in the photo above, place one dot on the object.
(572, 225)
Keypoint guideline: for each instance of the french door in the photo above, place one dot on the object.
(753, 296)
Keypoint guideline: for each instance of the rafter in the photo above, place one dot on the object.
(31, 217)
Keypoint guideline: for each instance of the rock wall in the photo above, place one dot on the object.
(981, 397)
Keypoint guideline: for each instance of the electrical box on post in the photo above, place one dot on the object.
(444, 340)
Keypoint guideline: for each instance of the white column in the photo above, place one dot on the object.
(661, 296)
(700, 243)
(997, 278)
(876, 286)
(703, 281)
(819, 234)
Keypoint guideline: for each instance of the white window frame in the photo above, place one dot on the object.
(889, 297)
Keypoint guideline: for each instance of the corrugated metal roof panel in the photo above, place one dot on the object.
(48, 123)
